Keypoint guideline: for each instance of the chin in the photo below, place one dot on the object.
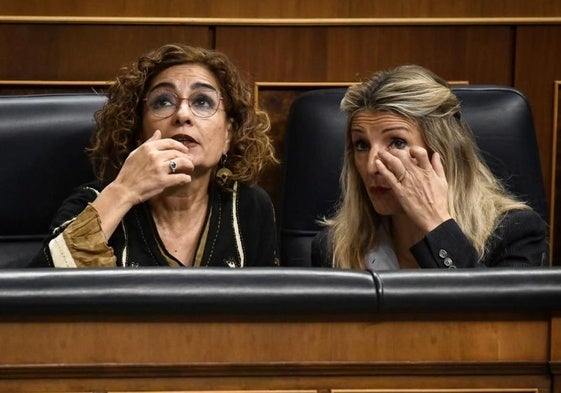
(385, 213)
(385, 209)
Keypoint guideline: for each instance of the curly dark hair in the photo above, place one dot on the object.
(119, 122)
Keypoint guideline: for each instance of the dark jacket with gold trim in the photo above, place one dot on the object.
(241, 230)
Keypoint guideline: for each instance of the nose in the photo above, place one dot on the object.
(183, 113)
(372, 168)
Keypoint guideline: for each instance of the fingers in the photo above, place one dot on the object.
(151, 163)
(168, 144)
(420, 157)
(399, 162)
(436, 162)
(177, 164)
(155, 136)
(419, 184)
(393, 165)
(172, 165)
(158, 143)
(168, 155)
(393, 178)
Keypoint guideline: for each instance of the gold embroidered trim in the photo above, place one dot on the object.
(237, 233)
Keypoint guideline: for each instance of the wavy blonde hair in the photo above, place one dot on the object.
(476, 199)
(119, 122)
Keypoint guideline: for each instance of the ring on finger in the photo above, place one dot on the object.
(400, 179)
(172, 165)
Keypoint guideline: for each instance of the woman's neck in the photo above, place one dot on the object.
(179, 215)
(174, 203)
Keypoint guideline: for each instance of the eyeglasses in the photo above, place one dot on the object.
(164, 103)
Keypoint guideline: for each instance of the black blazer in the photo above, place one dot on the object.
(520, 240)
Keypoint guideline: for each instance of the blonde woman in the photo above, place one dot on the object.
(416, 193)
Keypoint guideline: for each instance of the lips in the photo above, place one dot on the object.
(185, 139)
(378, 190)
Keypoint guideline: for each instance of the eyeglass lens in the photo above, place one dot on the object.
(164, 102)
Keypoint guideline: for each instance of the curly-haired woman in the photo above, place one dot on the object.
(178, 149)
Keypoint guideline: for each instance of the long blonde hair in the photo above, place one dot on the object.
(476, 199)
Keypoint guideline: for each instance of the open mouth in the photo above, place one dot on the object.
(185, 139)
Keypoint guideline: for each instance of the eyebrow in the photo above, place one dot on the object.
(397, 128)
(198, 85)
(194, 86)
(384, 131)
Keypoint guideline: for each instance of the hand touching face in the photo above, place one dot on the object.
(392, 160)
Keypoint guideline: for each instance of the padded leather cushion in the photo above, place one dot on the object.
(470, 289)
(315, 145)
(43, 138)
(209, 290)
(503, 125)
(269, 291)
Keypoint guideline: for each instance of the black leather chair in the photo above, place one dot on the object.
(42, 139)
(499, 117)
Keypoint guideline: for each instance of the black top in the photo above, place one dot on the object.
(520, 240)
(241, 230)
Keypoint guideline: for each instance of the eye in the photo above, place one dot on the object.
(398, 143)
(161, 99)
(360, 145)
(207, 100)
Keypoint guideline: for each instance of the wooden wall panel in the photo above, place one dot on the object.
(329, 54)
(285, 8)
(83, 52)
(537, 67)
(475, 54)
(277, 53)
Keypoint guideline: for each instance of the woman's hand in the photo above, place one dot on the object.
(145, 173)
(418, 183)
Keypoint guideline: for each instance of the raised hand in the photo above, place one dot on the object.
(145, 173)
(418, 183)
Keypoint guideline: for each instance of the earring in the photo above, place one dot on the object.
(223, 174)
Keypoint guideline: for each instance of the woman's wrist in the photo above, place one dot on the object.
(111, 205)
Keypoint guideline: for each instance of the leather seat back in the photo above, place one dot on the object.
(42, 138)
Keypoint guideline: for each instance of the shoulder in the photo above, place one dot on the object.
(520, 239)
(246, 201)
(522, 222)
(253, 196)
(252, 191)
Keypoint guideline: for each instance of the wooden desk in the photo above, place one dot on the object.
(397, 352)
(555, 363)
(297, 330)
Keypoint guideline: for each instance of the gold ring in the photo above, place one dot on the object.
(402, 176)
